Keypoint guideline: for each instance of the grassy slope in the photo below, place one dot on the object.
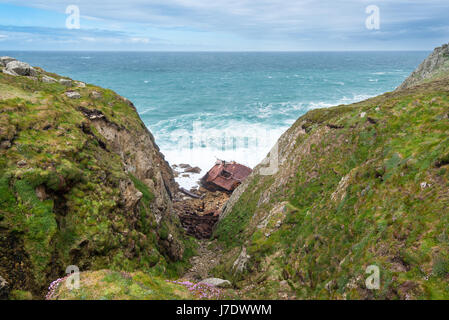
(382, 214)
(81, 221)
(114, 285)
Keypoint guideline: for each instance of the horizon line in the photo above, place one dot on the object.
(213, 51)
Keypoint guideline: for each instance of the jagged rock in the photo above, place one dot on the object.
(4, 288)
(5, 60)
(193, 170)
(73, 95)
(19, 68)
(130, 195)
(217, 282)
(80, 84)
(47, 79)
(434, 66)
(240, 263)
(65, 82)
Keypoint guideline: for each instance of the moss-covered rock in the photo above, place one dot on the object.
(82, 183)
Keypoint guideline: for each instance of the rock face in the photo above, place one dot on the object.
(100, 198)
(346, 192)
(19, 68)
(433, 67)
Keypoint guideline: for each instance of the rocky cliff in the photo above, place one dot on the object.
(354, 187)
(435, 66)
(82, 183)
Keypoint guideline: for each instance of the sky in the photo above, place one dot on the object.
(224, 25)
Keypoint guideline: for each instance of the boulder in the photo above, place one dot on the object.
(19, 68)
(5, 60)
(96, 95)
(193, 170)
(217, 282)
(73, 95)
(47, 79)
(66, 82)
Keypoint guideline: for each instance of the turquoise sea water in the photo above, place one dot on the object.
(233, 106)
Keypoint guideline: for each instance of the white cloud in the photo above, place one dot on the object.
(140, 40)
(271, 21)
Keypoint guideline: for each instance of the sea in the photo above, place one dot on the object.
(233, 106)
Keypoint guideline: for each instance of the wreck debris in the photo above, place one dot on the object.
(198, 216)
(225, 176)
(190, 194)
(200, 211)
(200, 227)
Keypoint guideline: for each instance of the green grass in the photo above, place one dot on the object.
(114, 285)
(382, 215)
(81, 220)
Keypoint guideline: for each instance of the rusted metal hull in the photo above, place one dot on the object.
(225, 176)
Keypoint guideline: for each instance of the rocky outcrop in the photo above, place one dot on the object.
(141, 158)
(73, 95)
(436, 65)
(100, 198)
(47, 79)
(65, 82)
(5, 60)
(18, 68)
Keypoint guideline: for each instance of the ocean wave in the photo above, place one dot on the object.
(246, 143)
(201, 138)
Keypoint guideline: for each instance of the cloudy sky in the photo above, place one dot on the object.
(223, 25)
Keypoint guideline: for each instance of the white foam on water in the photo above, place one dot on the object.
(242, 142)
(231, 140)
